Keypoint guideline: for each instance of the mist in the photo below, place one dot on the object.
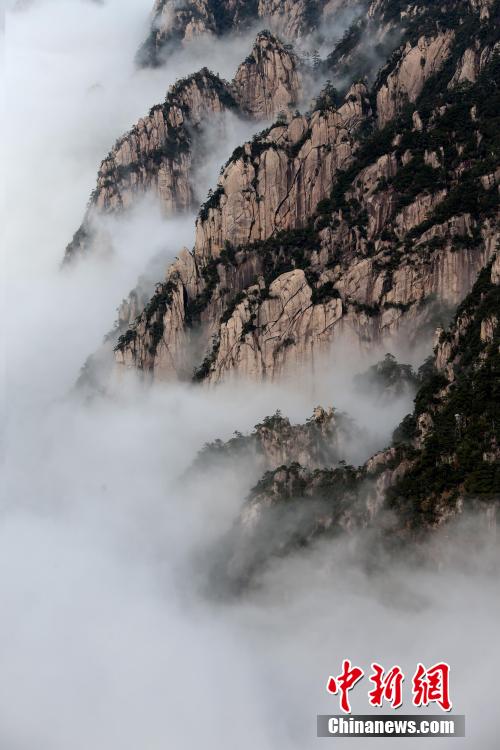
(108, 637)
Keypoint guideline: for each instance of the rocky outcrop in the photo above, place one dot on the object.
(275, 183)
(396, 37)
(478, 54)
(268, 82)
(364, 218)
(387, 380)
(483, 7)
(287, 510)
(412, 42)
(455, 424)
(405, 83)
(293, 506)
(159, 152)
(261, 339)
(174, 23)
(470, 65)
(275, 442)
(291, 329)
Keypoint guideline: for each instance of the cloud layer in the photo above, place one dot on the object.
(108, 638)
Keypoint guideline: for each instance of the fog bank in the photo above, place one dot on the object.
(106, 639)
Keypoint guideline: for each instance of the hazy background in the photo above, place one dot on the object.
(105, 640)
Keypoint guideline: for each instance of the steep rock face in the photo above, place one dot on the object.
(175, 23)
(405, 83)
(276, 182)
(407, 36)
(292, 328)
(483, 7)
(400, 227)
(471, 64)
(317, 443)
(268, 81)
(286, 329)
(145, 341)
(292, 253)
(325, 227)
(454, 434)
(158, 153)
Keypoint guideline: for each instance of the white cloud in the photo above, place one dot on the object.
(105, 638)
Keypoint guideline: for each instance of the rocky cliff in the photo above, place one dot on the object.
(453, 438)
(174, 23)
(406, 44)
(269, 185)
(159, 153)
(361, 219)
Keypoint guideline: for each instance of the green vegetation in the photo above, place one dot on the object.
(212, 201)
(126, 339)
(154, 311)
(248, 327)
(324, 293)
(233, 304)
(329, 98)
(458, 455)
(195, 306)
(202, 372)
(415, 178)
(387, 376)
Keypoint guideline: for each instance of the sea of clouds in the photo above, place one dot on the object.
(108, 638)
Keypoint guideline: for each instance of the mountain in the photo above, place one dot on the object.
(275, 442)
(174, 23)
(264, 187)
(444, 460)
(368, 216)
(160, 152)
(372, 215)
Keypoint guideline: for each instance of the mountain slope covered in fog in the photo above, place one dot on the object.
(444, 460)
(365, 219)
(174, 23)
(350, 156)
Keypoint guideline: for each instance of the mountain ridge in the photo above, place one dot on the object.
(384, 237)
